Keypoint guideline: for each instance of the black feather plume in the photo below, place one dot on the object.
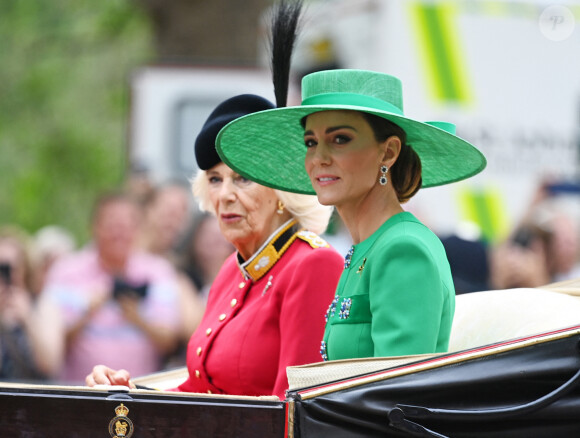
(284, 30)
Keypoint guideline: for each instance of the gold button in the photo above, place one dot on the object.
(233, 302)
(197, 374)
(222, 316)
(241, 285)
(209, 391)
(199, 351)
(208, 332)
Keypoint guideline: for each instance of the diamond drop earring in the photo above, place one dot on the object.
(383, 178)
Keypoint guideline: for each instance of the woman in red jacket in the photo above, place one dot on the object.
(266, 307)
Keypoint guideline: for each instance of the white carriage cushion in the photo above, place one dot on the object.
(486, 317)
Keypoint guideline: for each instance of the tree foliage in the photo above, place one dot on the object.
(64, 101)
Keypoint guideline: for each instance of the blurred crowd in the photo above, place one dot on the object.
(542, 247)
(131, 296)
(134, 293)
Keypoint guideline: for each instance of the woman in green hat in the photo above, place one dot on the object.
(350, 143)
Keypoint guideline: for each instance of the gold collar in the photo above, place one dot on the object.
(270, 252)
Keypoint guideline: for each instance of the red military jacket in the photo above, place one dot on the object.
(263, 315)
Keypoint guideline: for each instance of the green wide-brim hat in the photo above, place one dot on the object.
(268, 146)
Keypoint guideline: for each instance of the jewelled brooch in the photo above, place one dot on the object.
(344, 312)
(331, 309)
(348, 257)
(323, 351)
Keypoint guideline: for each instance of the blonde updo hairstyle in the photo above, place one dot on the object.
(306, 209)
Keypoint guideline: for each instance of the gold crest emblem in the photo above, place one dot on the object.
(121, 426)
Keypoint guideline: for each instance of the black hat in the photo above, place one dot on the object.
(230, 109)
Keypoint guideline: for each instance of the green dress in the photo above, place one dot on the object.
(395, 296)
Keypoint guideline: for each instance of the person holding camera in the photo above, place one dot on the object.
(26, 349)
(544, 247)
(119, 305)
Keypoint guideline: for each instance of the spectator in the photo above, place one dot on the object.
(563, 248)
(138, 183)
(50, 244)
(205, 249)
(542, 249)
(27, 351)
(119, 305)
(468, 256)
(167, 214)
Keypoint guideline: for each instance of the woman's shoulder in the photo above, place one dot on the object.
(313, 239)
(408, 232)
(308, 262)
(407, 225)
(316, 245)
(309, 249)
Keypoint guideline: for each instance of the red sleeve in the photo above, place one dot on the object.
(184, 387)
(311, 288)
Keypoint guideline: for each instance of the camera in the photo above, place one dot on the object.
(564, 188)
(523, 237)
(526, 235)
(123, 288)
(6, 273)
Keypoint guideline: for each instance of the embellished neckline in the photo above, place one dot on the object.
(348, 257)
(270, 252)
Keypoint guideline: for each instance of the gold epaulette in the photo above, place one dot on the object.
(313, 239)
